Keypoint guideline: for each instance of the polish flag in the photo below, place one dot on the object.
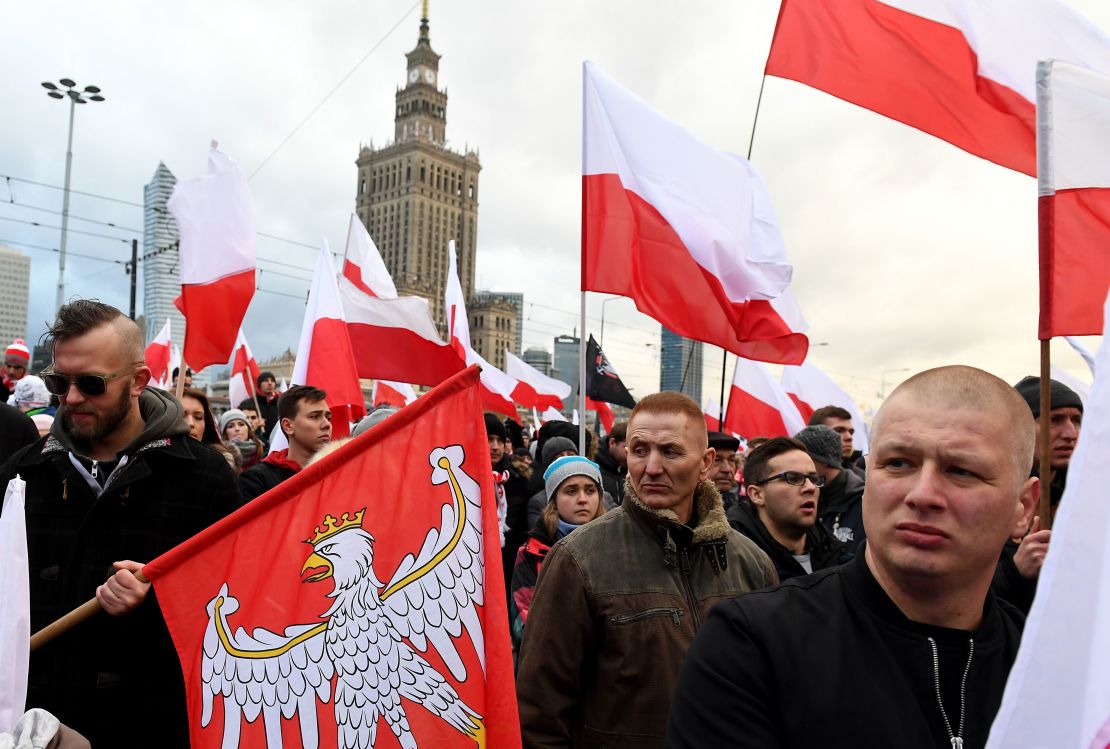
(324, 356)
(363, 265)
(1074, 188)
(244, 372)
(962, 71)
(686, 231)
(811, 389)
(551, 414)
(215, 218)
(282, 386)
(604, 413)
(534, 389)
(158, 354)
(758, 406)
(496, 386)
(388, 393)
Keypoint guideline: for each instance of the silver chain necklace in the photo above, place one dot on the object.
(957, 737)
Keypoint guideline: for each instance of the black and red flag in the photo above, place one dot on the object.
(602, 381)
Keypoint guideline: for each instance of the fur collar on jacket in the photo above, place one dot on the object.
(712, 522)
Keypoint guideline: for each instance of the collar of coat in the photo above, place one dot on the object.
(712, 522)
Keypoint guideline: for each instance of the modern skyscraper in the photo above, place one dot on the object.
(161, 275)
(681, 365)
(15, 280)
(416, 193)
(539, 359)
(566, 365)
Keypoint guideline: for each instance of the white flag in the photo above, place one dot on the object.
(15, 606)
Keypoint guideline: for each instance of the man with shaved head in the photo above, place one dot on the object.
(904, 646)
(618, 601)
(114, 484)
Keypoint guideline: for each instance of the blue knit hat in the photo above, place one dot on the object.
(565, 467)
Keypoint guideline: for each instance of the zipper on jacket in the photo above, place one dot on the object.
(675, 614)
(956, 738)
(684, 568)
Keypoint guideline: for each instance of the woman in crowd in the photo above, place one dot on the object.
(32, 398)
(573, 486)
(236, 431)
(202, 425)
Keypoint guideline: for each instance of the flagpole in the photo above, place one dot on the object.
(1044, 505)
(180, 386)
(68, 621)
(721, 403)
(582, 286)
(1044, 185)
(582, 379)
(254, 394)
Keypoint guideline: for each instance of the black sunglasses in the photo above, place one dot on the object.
(88, 384)
(796, 478)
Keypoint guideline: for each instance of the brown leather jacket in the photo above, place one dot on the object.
(616, 606)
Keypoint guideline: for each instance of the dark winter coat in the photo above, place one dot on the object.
(265, 475)
(824, 550)
(840, 509)
(616, 605)
(115, 679)
(529, 559)
(268, 410)
(612, 474)
(829, 661)
(17, 430)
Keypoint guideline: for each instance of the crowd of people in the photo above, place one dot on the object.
(666, 585)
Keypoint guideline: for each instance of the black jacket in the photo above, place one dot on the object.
(115, 679)
(261, 478)
(612, 474)
(840, 509)
(268, 410)
(516, 499)
(824, 550)
(829, 661)
(17, 430)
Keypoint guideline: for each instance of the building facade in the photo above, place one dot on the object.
(493, 327)
(15, 284)
(539, 359)
(566, 365)
(516, 300)
(681, 368)
(416, 193)
(161, 275)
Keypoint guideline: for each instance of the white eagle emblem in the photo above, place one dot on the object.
(373, 636)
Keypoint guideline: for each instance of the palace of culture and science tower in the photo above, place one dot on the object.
(416, 193)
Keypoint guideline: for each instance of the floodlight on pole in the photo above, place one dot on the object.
(89, 93)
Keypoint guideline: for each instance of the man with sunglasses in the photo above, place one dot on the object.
(783, 487)
(116, 483)
(905, 646)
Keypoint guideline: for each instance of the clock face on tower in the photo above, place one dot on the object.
(414, 75)
(430, 76)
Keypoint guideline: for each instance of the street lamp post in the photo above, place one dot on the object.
(90, 93)
(882, 392)
(610, 299)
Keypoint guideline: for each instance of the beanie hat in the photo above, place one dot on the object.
(30, 391)
(723, 441)
(264, 376)
(17, 354)
(495, 427)
(1060, 395)
(553, 447)
(565, 467)
(373, 419)
(822, 444)
(233, 414)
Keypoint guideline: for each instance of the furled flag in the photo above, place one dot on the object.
(1073, 117)
(1058, 693)
(1084, 352)
(394, 338)
(758, 406)
(324, 356)
(811, 389)
(215, 218)
(497, 387)
(15, 593)
(282, 386)
(533, 388)
(552, 414)
(962, 71)
(244, 372)
(387, 393)
(351, 605)
(602, 381)
(686, 231)
(604, 413)
(158, 354)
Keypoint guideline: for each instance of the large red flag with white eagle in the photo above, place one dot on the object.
(758, 406)
(962, 71)
(215, 218)
(684, 230)
(1074, 195)
(351, 606)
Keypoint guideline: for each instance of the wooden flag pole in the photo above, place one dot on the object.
(1044, 505)
(69, 621)
(254, 394)
(181, 370)
(721, 404)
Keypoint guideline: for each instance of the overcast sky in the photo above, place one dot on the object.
(908, 253)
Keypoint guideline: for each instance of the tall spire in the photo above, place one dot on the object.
(424, 23)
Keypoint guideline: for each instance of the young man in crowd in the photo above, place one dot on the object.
(116, 483)
(258, 424)
(512, 494)
(17, 357)
(618, 601)
(613, 461)
(174, 375)
(306, 421)
(840, 510)
(840, 421)
(781, 514)
(267, 395)
(905, 646)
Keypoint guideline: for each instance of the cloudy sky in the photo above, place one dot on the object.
(908, 253)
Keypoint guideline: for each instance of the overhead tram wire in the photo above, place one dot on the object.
(71, 231)
(74, 192)
(74, 218)
(55, 249)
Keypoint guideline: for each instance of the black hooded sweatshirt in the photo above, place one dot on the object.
(824, 550)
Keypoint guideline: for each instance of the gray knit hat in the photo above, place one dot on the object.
(823, 444)
(231, 415)
(567, 466)
(554, 446)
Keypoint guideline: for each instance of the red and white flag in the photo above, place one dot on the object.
(811, 389)
(758, 406)
(686, 231)
(158, 355)
(962, 71)
(244, 372)
(363, 265)
(1058, 693)
(358, 604)
(551, 415)
(603, 411)
(1073, 118)
(215, 218)
(533, 388)
(397, 394)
